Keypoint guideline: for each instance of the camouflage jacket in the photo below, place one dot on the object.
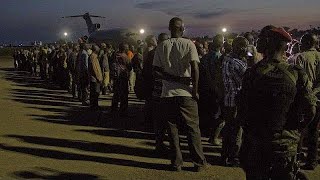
(282, 110)
(310, 61)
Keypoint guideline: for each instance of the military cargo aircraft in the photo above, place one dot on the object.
(113, 36)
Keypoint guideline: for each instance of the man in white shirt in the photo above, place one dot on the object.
(176, 63)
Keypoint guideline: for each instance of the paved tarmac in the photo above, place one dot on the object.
(45, 134)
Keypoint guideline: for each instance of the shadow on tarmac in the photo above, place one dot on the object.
(47, 174)
(68, 111)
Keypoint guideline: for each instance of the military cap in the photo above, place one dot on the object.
(283, 33)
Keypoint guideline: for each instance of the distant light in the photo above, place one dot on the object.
(224, 30)
(65, 34)
(142, 31)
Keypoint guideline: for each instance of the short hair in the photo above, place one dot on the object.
(95, 48)
(173, 21)
(217, 41)
(150, 39)
(265, 31)
(123, 46)
(309, 39)
(239, 43)
(163, 37)
(276, 42)
(176, 25)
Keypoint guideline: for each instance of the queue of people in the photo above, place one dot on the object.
(260, 100)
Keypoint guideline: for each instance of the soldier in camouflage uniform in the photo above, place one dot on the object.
(309, 59)
(276, 102)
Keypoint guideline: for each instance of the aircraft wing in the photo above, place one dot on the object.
(97, 16)
(72, 16)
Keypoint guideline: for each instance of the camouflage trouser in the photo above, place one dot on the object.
(311, 136)
(264, 160)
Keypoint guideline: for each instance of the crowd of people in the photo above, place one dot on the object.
(258, 95)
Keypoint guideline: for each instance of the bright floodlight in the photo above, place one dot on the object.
(142, 31)
(224, 30)
(65, 34)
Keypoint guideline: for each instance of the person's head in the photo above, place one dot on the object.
(132, 48)
(95, 49)
(109, 48)
(249, 37)
(277, 42)
(103, 45)
(123, 47)
(140, 50)
(206, 45)
(217, 43)
(162, 37)
(200, 48)
(151, 41)
(76, 48)
(308, 41)
(227, 47)
(176, 27)
(240, 47)
(295, 48)
(83, 46)
(263, 39)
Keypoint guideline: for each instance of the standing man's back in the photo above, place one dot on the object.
(175, 55)
(176, 63)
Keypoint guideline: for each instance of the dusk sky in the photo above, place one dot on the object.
(29, 20)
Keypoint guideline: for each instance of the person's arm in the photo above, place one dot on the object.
(86, 61)
(242, 101)
(306, 98)
(195, 79)
(97, 69)
(129, 65)
(194, 63)
(105, 64)
(299, 61)
(157, 68)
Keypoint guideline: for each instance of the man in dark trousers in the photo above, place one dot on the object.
(233, 68)
(95, 78)
(153, 87)
(104, 63)
(178, 59)
(211, 91)
(121, 70)
(83, 74)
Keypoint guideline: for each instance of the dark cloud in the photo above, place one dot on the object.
(176, 8)
(207, 15)
(152, 5)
